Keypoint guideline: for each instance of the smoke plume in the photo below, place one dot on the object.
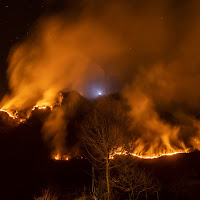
(151, 46)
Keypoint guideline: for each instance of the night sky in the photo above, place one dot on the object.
(15, 21)
(18, 17)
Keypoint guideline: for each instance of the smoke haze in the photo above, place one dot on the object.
(151, 46)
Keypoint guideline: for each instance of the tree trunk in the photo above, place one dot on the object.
(93, 180)
(108, 178)
(157, 196)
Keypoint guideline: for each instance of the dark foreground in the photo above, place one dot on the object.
(23, 179)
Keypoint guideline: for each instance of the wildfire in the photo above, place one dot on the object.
(152, 156)
(139, 153)
(119, 151)
(41, 107)
(124, 153)
(14, 116)
(59, 157)
(161, 155)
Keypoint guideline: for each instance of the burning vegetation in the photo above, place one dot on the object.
(111, 82)
(161, 92)
(107, 119)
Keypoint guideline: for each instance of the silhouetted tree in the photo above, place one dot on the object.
(105, 129)
(134, 181)
(47, 194)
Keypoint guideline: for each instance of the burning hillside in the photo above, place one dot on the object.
(69, 104)
(157, 73)
(58, 125)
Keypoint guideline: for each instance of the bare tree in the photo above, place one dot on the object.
(105, 129)
(134, 181)
(47, 194)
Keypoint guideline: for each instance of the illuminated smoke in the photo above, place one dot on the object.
(55, 127)
(55, 131)
(144, 44)
(56, 60)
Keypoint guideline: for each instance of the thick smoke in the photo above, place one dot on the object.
(55, 131)
(55, 128)
(151, 46)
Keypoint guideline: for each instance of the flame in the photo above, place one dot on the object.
(60, 55)
(41, 107)
(14, 116)
(139, 152)
(124, 153)
(161, 155)
(119, 151)
(59, 157)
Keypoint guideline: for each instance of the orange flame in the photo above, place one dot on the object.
(9, 113)
(139, 152)
(59, 157)
(161, 155)
(41, 107)
(153, 156)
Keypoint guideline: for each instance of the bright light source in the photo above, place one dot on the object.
(100, 93)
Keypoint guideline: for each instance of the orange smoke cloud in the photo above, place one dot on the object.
(144, 44)
(58, 59)
(55, 131)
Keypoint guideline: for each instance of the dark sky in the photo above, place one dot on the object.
(16, 18)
